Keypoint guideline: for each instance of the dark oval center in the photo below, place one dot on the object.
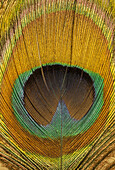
(44, 89)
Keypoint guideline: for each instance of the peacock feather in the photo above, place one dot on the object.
(57, 84)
